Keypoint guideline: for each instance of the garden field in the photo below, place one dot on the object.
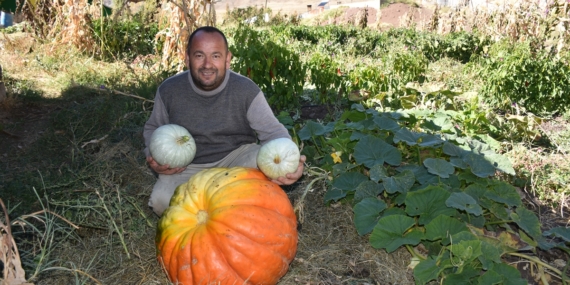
(437, 147)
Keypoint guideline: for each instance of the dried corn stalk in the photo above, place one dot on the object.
(177, 20)
(13, 272)
(74, 27)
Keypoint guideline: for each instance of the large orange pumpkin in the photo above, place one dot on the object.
(227, 226)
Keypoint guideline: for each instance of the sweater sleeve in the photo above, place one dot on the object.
(158, 117)
(262, 120)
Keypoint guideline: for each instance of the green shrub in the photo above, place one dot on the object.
(124, 39)
(519, 76)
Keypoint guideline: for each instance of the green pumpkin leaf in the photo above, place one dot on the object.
(366, 214)
(430, 141)
(378, 172)
(428, 203)
(465, 251)
(490, 278)
(367, 189)
(420, 172)
(479, 165)
(463, 275)
(371, 151)
(462, 201)
(401, 182)
(407, 136)
(442, 227)
(342, 185)
(501, 162)
(503, 192)
(439, 167)
(453, 150)
(385, 123)
(394, 231)
(458, 162)
(311, 129)
(561, 232)
(491, 254)
(427, 270)
(509, 275)
(528, 221)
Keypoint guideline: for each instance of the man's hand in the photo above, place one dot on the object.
(291, 178)
(163, 169)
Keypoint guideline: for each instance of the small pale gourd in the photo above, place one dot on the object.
(278, 157)
(173, 145)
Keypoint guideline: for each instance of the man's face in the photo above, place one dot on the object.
(208, 59)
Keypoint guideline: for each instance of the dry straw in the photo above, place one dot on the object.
(177, 20)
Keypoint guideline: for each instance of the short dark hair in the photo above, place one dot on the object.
(206, 29)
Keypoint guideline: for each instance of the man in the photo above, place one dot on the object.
(225, 112)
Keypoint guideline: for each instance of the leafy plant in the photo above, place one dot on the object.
(277, 70)
(415, 181)
(532, 78)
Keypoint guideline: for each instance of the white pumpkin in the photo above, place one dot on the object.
(278, 157)
(173, 145)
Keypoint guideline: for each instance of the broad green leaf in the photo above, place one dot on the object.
(465, 251)
(428, 203)
(490, 278)
(385, 123)
(401, 182)
(561, 232)
(478, 146)
(357, 136)
(439, 167)
(497, 209)
(393, 211)
(367, 189)
(443, 227)
(357, 107)
(491, 254)
(420, 172)
(285, 119)
(479, 165)
(341, 168)
(509, 274)
(426, 271)
(394, 231)
(501, 162)
(458, 162)
(463, 275)
(528, 221)
(342, 185)
(407, 136)
(378, 172)
(453, 150)
(371, 151)
(366, 214)
(430, 141)
(463, 201)
(503, 192)
(334, 194)
(311, 129)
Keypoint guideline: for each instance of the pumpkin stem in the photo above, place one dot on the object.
(277, 159)
(202, 217)
(182, 140)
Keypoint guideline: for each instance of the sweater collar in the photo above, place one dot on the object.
(211, 92)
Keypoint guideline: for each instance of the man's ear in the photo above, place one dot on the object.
(187, 60)
(228, 59)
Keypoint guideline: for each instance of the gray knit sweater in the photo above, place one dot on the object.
(220, 120)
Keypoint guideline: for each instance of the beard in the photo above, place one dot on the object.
(207, 78)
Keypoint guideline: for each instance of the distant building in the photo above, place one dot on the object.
(323, 5)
